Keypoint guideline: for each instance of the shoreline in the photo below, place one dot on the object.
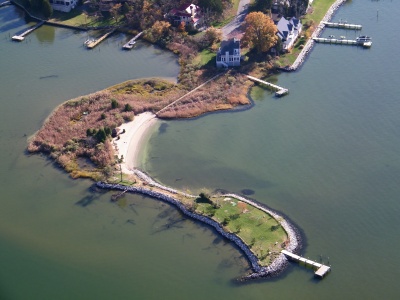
(128, 144)
(272, 270)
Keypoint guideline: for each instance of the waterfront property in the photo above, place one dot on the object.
(228, 54)
(188, 13)
(288, 31)
(63, 5)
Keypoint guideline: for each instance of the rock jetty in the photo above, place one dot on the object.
(274, 269)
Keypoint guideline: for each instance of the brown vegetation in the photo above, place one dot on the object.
(82, 127)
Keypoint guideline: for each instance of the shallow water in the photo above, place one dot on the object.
(326, 155)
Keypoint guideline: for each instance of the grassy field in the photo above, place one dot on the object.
(262, 233)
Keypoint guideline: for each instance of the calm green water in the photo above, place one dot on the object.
(326, 155)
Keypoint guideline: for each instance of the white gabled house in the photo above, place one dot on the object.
(228, 54)
(288, 32)
(63, 5)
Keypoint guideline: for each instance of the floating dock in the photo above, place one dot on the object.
(21, 37)
(280, 90)
(129, 45)
(343, 25)
(320, 269)
(93, 43)
(365, 44)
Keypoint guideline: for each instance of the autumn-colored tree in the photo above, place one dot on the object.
(115, 11)
(259, 32)
(158, 31)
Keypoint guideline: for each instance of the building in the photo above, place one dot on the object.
(63, 5)
(228, 54)
(288, 32)
(188, 13)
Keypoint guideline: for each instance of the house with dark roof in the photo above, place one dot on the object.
(188, 13)
(228, 54)
(288, 31)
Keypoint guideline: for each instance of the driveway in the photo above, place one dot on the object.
(232, 29)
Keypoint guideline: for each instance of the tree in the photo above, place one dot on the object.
(259, 32)
(115, 11)
(47, 9)
(158, 31)
(214, 5)
(114, 103)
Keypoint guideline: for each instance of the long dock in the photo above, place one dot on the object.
(320, 269)
(129, 45)
(280, 90)
(343, 25)
(94, 43)
(365, 44)
(21, 37)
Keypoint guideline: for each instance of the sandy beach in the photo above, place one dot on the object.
(128, 144)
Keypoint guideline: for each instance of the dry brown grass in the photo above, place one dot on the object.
(64, 134)
(226, 92)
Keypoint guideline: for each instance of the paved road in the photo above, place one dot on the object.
(233, 28)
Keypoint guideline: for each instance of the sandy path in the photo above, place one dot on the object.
(128, 145)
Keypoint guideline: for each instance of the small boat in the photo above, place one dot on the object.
(342, 37)
(363, 38)
(88, 41)
(331, 36)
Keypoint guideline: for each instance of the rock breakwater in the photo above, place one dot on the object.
(274, 269)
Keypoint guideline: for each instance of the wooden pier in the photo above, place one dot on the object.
(320, 270)
(129, 45)
(21, 37)
(343, 25)
(280, 91)
(93, 43)
(365, 44)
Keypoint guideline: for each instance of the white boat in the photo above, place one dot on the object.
(363, 39)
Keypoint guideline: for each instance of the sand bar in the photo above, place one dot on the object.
(128, 144)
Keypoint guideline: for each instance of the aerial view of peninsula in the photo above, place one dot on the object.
(198, 150)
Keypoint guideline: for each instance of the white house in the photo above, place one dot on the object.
(288, 31)
(63, 5)
(228, 54)
(189, 13)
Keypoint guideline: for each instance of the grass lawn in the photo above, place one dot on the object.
(204, 57)
(262, 233)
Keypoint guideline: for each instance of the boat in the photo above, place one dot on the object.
(363, 39)
(88, 41)
(331, 36)
(342, 37)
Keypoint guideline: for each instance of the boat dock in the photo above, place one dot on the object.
(343, 25)
(320, 269)
(280, 91)
(363, 43)
(129, 45)
(93, 43)
(21, 37)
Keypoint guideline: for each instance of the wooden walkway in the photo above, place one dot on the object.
(280, 91)
(320, 269)
(129, 45)
(21, 37)
(343, 25)
(188, 93)
(94, 43)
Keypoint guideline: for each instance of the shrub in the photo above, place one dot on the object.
(114, 103)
